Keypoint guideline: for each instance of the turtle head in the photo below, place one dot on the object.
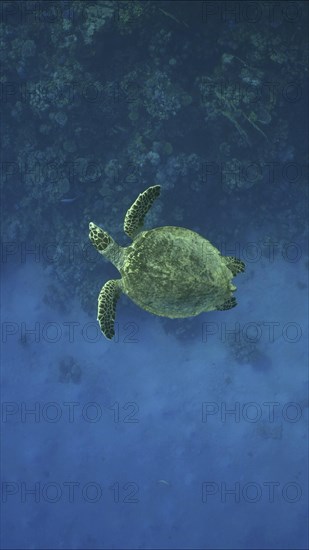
(99, 238)
(105, 245)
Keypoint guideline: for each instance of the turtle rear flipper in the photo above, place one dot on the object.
(107, 302)
(134, 219)
(234, 264)
(228, 304)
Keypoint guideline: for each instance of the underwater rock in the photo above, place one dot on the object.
(28, 49)
(269, 431)
(249, 353)
(69, 371)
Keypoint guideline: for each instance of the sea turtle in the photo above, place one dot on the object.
(169, 271)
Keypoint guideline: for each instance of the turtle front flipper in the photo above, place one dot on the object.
(105, 245)
(107, 302)
(134, 219)
(99, 238)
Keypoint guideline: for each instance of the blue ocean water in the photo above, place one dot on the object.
(177, 433)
